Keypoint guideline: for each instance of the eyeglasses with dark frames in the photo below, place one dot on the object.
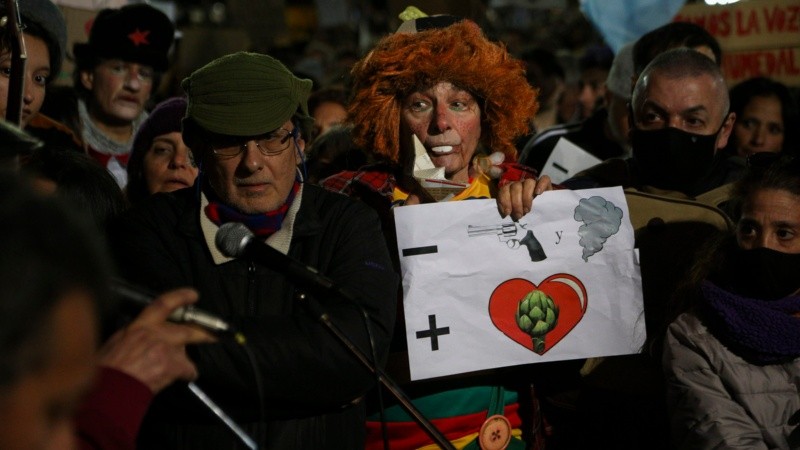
(270, 144)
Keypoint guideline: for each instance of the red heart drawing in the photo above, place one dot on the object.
(567, 292)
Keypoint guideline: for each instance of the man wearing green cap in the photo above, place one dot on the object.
(294, 386)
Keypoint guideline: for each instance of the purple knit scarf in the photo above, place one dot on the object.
(762, 332)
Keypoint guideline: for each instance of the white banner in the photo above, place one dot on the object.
(482, 292)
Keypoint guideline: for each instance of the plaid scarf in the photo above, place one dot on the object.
(262, 225)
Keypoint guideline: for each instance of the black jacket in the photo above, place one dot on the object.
(310, 384)
(589, 135)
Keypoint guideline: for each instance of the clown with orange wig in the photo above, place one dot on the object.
(438, 91)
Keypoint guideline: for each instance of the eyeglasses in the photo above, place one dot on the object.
(271, 144)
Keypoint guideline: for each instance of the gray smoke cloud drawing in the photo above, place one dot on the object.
(601, 219)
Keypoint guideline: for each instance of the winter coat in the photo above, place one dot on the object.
(310, 389)
(719, 400)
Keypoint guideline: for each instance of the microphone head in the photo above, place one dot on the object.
(232, 239)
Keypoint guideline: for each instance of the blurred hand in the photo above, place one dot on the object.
(516, 197)
(412, 200)
(153, 350)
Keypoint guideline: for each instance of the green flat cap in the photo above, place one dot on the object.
(245, 94)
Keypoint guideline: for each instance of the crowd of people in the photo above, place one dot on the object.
(103, 193)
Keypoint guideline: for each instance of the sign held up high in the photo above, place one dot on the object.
(758, 37)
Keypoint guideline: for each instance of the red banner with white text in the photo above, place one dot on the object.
(758, 37)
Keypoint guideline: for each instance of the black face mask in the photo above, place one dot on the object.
(672, 159)
(762, 273)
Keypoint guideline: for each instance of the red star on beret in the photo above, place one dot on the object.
(139, 37)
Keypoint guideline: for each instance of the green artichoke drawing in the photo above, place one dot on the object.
(537, 314)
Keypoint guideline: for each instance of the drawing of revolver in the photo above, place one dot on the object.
(514, 235)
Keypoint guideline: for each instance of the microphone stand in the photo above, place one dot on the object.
(324, 285)
(226, 419)
(235, 240)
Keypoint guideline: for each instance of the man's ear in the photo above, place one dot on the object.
(726, 130)
(299, 155)
(87, 79)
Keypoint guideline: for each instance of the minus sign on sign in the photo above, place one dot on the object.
(414, 251)
(560, 167)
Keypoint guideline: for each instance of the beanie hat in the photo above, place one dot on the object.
(165, 118)
(46, 15)
(244, 94)
(619, 77)
(135, 33)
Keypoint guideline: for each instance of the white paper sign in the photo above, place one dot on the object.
(566, 160)
(466, 272)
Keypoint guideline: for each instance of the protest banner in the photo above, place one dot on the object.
(758, 37)
(481, 292)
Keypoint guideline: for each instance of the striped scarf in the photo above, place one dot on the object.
(262, 225)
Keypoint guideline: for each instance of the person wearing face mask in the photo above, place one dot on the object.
(160, 161)
(732, 355)
(114, 75)
(680, 120)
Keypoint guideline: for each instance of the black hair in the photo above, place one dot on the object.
(53, 49)
(745, 91)
(36, 30)
(596, 57)
(669, 36)
(766, 171)
(61, 104)
(82, 183)
(49, 252)
(334, 152)
(775, 171)
(543, 71)
(326, 95)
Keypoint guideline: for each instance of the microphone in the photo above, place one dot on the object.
(184, 314)
(235, 240)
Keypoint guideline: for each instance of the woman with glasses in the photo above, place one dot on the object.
(160, 161)
(731, 359)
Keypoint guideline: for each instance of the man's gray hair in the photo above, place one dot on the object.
(682, 63)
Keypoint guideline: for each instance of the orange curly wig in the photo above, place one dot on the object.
(404, 63)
